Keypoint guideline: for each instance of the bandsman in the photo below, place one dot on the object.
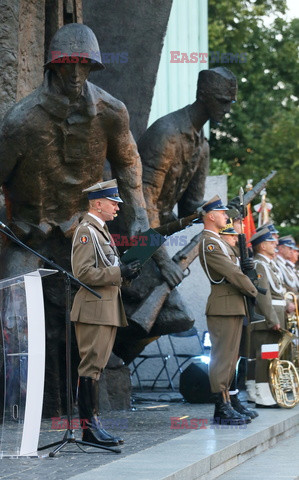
(285, 261)
(272, 306)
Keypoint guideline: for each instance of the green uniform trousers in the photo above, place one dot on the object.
(225, 335)
(95, 343)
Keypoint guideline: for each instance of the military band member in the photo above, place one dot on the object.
(294, 260)
(225, 307)
(272, 306)
(270, 226)
(284, 261)
(229, 234)
(95, 262)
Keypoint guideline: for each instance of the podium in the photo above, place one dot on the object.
(22, 363)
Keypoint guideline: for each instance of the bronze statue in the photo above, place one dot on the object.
(53, 144)
(175, 154)
(175, 162)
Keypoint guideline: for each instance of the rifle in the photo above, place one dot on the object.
(181, 223)
(251, 274)
(147, 312)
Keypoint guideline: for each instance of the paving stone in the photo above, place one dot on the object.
(171, 453)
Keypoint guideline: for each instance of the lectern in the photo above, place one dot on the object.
(22, 362)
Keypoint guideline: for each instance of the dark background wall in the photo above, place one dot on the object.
(137, 27)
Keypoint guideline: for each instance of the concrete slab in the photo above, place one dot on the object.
(278, 463)
(154, 450)
(202, 454)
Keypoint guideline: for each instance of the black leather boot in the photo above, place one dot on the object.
(246, 417)
(88, 403)
(224, 413)
(239, 407)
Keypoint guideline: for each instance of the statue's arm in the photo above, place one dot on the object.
(10, 151)
(126, 167)
(153, 181)
(194, 194)
(157, 156)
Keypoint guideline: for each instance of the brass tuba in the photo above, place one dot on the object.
(293, 326)
(283, 376)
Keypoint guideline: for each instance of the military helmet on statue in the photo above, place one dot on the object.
(74, 41)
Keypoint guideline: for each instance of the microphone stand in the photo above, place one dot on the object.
(69, 436)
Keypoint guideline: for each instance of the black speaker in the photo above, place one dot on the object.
(195, 384)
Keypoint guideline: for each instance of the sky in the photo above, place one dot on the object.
(293, 6)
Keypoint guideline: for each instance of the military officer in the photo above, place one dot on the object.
(286, 247)
(270, 225)
(272, 306)
(230, 236)
(225, 307)
(95, 262)
(294, 260)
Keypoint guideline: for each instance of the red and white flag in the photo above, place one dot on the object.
(248, 223)
(270, 350)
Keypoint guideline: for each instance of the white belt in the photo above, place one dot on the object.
(281, 303)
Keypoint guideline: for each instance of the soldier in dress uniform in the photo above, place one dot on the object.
(270, 225)
(272, 306)
(294, 259)
(229, 235)
(225, 307)
(284, 261)
(95, 262)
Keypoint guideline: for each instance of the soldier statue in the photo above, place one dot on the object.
(175, 162)
(53, 144)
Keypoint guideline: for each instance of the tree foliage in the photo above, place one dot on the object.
(262, 131)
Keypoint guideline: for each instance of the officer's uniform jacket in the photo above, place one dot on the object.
(95, 262)
(272, 305)
(288, 274)
(228, 283)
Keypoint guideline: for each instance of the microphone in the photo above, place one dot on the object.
(108, 213)
(5, 227)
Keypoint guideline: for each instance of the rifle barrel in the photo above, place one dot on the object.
(249, 196)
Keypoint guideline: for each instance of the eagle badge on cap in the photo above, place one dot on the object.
(210, 247)
(84, 239)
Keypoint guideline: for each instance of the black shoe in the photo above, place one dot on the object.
(98, 437)
(239, 407)
(225, 414)
(267, 406)
(117, 439)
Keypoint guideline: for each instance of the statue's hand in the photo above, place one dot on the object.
(235, 207)
(172, 273)
(199, 210)
(234, 203)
